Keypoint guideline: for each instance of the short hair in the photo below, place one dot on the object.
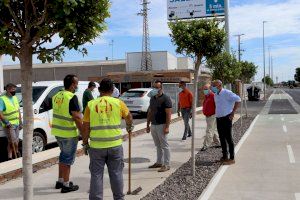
(91, 84)
(106, 85)
(69, 80)
(182, 83)
(10, 85)
(217, 81)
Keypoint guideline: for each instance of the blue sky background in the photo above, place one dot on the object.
(282, 33)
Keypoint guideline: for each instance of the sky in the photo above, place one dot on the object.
(282, 33)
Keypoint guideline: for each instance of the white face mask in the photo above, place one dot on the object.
(180, 89)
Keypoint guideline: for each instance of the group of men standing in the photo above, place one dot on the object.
(219, 108)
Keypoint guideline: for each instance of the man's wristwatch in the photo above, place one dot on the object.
(129, 127)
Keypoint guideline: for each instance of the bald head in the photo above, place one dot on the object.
(217, 83)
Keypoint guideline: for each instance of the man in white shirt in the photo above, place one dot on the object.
(226, 105)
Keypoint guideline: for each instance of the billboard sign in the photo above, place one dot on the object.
(189, 9)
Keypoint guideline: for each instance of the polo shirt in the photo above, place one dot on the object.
(185, 99)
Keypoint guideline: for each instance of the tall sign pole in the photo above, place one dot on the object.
(227, 45)
(1, 76)
(264, 55)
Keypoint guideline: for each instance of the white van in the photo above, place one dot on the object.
(42, 94)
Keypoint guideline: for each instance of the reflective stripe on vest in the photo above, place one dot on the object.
(63, 124)
(105, 122)
(11, 112)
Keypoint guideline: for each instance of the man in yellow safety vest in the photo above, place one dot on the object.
(65, 125)
(11, 119)
(102, 125)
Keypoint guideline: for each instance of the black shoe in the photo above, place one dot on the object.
(71, 188)
(58, 185)
(189, 135)
(203, 149)
(184, 138)
(217, 146)
(156, 165)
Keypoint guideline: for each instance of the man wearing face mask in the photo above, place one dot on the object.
(10, 117)
(185, 106)
(209, 112)
(65, 125)
(159, 115)
(226, 105)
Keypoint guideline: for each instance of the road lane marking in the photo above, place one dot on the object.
(291, 154)
(208, 191)
(270, 118)
(297, 196)
(282, 119)
(284, 128)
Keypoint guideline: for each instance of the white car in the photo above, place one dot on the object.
(137, 100)
(42, 114)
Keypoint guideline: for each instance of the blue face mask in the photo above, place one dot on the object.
(214, 90)
(154, 92)
(180, 89)
(206, 92)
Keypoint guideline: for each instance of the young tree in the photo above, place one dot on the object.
(269, 81)
(27, 27)
(225, 67)
(248, 71)
(297, 75)
(200, 40)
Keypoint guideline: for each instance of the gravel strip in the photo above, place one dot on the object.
(181, 185)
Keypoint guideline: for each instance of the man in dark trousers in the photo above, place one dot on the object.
(3, 146)
(226, 105)
(185, 104)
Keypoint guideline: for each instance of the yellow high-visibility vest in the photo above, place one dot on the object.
(63, 124)
(11, 112)
(105, 123)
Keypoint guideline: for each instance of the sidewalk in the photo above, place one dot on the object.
(143, 150)
(267, 165)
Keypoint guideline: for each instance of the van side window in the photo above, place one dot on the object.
(46, 105)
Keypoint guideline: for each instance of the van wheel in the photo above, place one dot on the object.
(38, 143)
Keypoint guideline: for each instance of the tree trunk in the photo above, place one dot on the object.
(195, 99)
(26, 82)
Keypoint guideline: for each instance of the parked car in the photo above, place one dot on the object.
(41, 97)
(137, 100)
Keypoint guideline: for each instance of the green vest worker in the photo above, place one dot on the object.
(102, 125)
(65, 125)
(10, 117)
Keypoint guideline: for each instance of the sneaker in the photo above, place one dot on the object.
(189, 135)
(58, 185)
(203, 149)
(229, 162)
(184, 138)
(156, 165)
(164, 168)
(71, 188)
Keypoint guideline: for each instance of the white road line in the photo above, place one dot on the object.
(291, 154)
(270, 118)
(217, 177)
(297, 196)
(284, 128)
(282, 119)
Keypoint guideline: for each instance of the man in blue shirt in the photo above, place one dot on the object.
(226, 105)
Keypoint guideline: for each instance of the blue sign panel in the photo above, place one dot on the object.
(215, 7)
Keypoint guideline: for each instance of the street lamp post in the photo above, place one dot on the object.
(264, 55)
(1, 76)
(226, 7)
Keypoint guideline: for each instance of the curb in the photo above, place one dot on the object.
(17, 173)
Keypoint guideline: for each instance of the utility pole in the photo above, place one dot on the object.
(272, 69)
(112, 50)
(239, 46)
(269, 62)
(264, 57)
(227, 45)
(146, 62)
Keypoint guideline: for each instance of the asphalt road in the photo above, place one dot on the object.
(295, 93)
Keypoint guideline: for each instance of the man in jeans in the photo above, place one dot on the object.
(65, 125)
(226, 105)
(102, 125)
(185, 106)
(209, 112)
(159, 115)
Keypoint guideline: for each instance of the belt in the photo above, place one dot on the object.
(186, 108)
